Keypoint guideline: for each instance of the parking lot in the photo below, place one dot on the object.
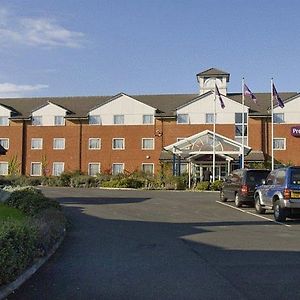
(167, 245)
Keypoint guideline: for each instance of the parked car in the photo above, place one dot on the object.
(280, 192)
(240, 185)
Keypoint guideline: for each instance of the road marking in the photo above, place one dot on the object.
(250, 213)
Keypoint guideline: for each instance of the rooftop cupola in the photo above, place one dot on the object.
(208, 78)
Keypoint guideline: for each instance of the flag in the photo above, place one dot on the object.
(220, 98)
(276, 96)
(247, 92)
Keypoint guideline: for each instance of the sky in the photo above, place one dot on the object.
(105, 47)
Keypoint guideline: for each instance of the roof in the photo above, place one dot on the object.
(165, 104)
(213, 72)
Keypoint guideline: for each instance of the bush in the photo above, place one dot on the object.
(83, 181)
(50, 226)
(216, 186)
(30, 201)
(17, 248)
(126, 182)
(203, 186)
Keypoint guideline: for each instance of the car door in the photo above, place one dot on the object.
(268, 189)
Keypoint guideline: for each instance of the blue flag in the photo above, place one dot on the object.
(220, 98)
(247, 92)
(276, 96)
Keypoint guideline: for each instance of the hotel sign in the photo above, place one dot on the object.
(295, 131)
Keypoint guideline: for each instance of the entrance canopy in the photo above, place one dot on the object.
(202, 144)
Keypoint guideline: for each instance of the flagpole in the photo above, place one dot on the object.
(272, 125)
(243, 122)
(214, 137)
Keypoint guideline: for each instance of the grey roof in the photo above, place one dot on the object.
(213, 72)
(165, 104)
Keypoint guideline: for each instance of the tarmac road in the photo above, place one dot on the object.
(166, 245)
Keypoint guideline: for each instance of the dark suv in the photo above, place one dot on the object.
(280, 192)
(240, 185)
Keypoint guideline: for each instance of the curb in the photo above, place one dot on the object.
(11, 287)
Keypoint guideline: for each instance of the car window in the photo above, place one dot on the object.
(270, 179)
(280, 177)
(256, 177)
(235, 177)
(295, 176)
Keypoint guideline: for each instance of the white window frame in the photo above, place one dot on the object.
(145, 119)
(4, 163)
(35, 162)
(59, 117)
(239, 138)
(37, 139)
(92, 118)
(284, 144)
(6, 147)
(94, 164)
(55, 164)
(57, 148)
(99, 142)
(148, 164)
(209, 118)
(117, 118)
(35, 118)
(4, 121)
(179, 120)
(113, 144)
(277, 119)
(143, 146)
(112, 168)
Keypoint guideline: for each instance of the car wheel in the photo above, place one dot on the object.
(279, 212)
(222, 198)
(237, 200)
(259, 209)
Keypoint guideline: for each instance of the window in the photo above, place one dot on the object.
(209, 118)
(4, 142)
(118, 144)
(148, 168)
(94, 120)
(279, 144)
(117, 168)
(58, 143)
(94, 143)
(36, 143)
(118, 119)
(239, 134)
(147, 119)
(93, 169)
(36, 169)
(182, 119)
(59, 121)
(278, 118)
(147, 144)
(3, 168)
(4, 121)
(58, 168)
(37, 120)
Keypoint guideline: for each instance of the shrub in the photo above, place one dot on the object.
(202, 186)
(30, 201)
(50, 225)
(83, 181)
(217, 185)
(17, 248)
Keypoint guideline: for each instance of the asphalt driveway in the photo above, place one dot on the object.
(165, 245)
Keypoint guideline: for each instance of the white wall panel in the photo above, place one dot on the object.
(132, 110)
(291, 111)
(198, 109)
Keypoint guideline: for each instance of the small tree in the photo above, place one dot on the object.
(14, 165)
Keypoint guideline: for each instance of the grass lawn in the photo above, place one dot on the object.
(7, 212)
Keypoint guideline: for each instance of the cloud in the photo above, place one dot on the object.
(39, 32)
(14, 90)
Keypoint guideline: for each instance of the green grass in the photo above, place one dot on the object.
(7, 212)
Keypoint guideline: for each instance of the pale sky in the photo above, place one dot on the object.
(104, 47)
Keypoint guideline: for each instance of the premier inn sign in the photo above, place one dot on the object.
(295, 131)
